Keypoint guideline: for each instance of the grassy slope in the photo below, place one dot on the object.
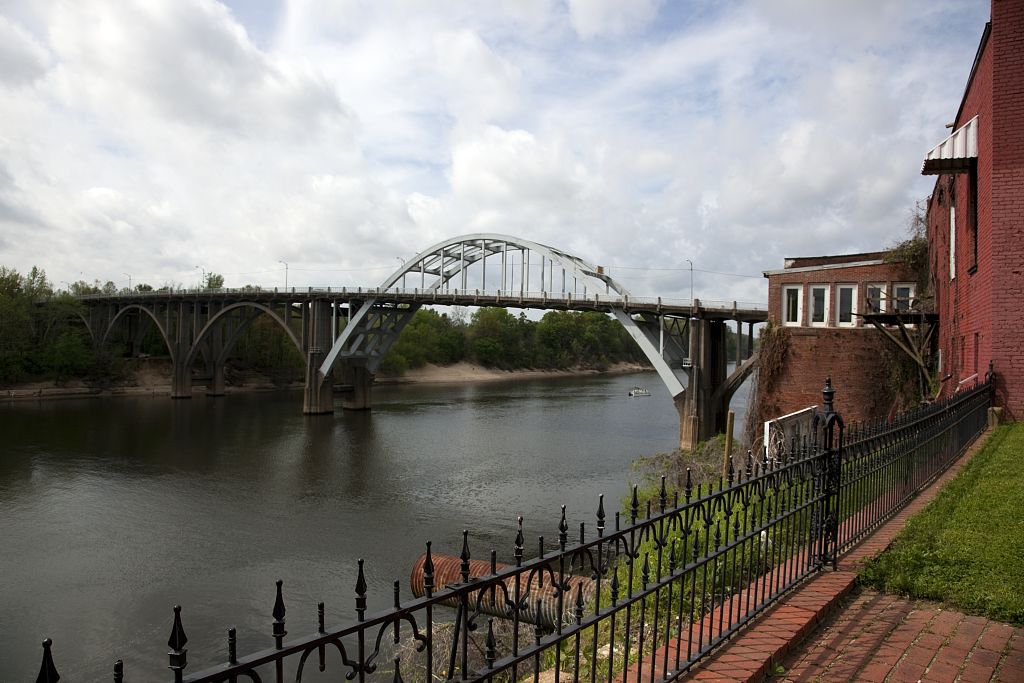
(966, 548)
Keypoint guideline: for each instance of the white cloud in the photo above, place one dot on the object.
(593, 18)
(22, 58)
(480, 86)
(186, 63)
(153, 137)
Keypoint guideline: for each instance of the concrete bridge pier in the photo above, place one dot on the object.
(317, 320)
(704, 407)
(361, 380)
(181, 372)
(181, 375)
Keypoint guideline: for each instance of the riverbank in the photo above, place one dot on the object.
(151, 377)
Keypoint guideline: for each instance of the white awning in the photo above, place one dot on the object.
(956, 153)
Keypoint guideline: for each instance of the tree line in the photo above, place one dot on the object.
(496, 338)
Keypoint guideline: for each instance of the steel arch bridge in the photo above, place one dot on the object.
(347, 332)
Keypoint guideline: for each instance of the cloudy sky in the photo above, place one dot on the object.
(149, 137)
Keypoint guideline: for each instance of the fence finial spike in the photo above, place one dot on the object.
(490, 645)
(517, 548)
(47, 670)
(563, 530)
(464, 555)
(177, 657)
(278, 624)
(827, 394)
(360, 590)
(178, 638)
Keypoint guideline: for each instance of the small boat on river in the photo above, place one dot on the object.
(639, 391)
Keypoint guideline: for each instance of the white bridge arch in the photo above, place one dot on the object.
(461, 262)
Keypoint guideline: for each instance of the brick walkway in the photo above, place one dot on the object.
(777, 637)
(877, 637)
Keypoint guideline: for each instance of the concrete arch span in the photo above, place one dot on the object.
(222, 315)
(120, 314)
(216, 339)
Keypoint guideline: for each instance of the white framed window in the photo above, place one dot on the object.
(875, 297)
(903, 295)
(819, 305)
(792, 306)
(846, 305)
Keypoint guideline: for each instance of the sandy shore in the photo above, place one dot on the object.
(154, 380)
(467, 372)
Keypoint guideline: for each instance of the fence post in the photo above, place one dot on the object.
(828, 419)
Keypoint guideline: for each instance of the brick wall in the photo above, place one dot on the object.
(1008, 202)
(981, 308)
(854, 358)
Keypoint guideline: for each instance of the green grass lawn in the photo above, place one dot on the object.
(966, 548)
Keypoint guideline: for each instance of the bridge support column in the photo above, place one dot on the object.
(215, 387)
(215, 362)
(181, 371)
(361, 380)
(702, 413)
(318, 396)
(181, 374)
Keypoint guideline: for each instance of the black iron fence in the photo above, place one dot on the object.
(637, 596)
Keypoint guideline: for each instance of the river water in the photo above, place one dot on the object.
(114, 510)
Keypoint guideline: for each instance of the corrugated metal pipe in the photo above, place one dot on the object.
(448, 570)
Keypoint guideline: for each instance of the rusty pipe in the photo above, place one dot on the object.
(448, 572)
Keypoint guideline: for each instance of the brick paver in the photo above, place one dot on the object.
(878, 637)
(869, 636)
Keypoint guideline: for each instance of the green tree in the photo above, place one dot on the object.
(213, 281)
(496, 338)
(81, 287)
(40, 333)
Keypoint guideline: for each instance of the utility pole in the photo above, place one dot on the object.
(202, 283)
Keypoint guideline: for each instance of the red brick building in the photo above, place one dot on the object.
(821, 302)
(976, 218)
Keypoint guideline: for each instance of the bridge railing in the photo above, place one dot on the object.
(641, 595)
(467, 296)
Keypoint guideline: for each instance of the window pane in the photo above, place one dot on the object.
(903, 296)
(818, 305)
(792, 305)
(875, 302)
(845, 304)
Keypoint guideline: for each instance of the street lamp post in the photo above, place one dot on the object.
(285, 274)
(129, 281)
(691, 283)
(202, 283)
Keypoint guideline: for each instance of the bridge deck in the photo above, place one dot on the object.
(681, 308)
